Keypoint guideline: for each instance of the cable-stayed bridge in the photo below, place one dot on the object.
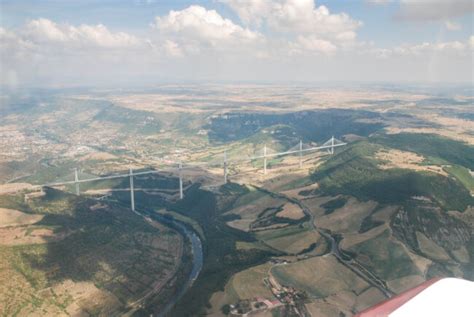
(265, 154)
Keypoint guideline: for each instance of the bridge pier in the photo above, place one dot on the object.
(76, 181)
(332, 144)
(180, 180)
(225, 167)
(132, 192)
(301, 154)
(265, 159)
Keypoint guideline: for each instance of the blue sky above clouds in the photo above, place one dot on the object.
(80, 43)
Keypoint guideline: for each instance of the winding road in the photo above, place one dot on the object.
(345, 259)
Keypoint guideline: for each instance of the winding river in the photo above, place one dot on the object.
(197, 254)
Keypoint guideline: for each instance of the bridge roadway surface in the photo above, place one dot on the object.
(181, 165)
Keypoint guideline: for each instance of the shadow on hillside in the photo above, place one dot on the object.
(104, 243)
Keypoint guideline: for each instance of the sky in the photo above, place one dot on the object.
(54, 43)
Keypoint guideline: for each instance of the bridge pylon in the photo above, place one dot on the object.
(301, 154)
(76, 181)
(225, 167)
(332, 144)
(180, 171)
(265, 159)
(132, 191)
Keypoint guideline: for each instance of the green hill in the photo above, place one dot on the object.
(354, 172)
(434, 147)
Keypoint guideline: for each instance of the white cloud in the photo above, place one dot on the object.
(172, 49)
(452, 26)
(425, 49)
(43, 49)
(304, 17)
(250, 12)
(379, 2)
(13, 45)
(305, 24)
(197, 43)
(471, 42)
(419, 10)
(196, 23)
(309, 44)
(48, 32)
(297, 16)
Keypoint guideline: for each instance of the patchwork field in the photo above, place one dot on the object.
(10, 217)
(320, 277)
(387, 258)
(250, 283)
(294, 240)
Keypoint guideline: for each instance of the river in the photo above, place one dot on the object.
(196, 248)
